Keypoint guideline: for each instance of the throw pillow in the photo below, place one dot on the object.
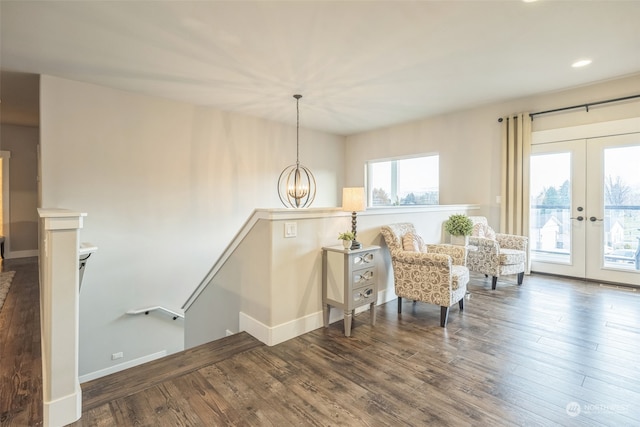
(478, 230)
(481, 230)
(489, 233)
(413, 243)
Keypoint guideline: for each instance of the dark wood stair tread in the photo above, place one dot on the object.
(141, 377)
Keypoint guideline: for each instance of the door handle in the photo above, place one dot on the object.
(594, 219)
(580, 218)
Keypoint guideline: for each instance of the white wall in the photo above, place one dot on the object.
(469, 141)
(22, 142)
(166, 186)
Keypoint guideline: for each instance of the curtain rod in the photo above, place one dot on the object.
(585, 106)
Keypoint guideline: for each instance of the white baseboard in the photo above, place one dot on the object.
(121, 366)
(63, 411)
(272, 335)
(21, 254)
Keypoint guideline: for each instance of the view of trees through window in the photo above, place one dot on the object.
(404, 182)
(621, 205)
(617, 193)
(551, 210)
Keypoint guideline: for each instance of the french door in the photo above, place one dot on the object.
(585, 208)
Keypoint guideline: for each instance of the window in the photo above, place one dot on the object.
(403, 182)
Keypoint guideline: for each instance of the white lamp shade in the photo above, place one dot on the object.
(353, 199)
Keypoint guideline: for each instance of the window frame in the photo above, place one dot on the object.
(368, 178)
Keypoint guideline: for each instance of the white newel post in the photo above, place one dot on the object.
(59, 313)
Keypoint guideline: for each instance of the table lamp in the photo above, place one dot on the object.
(353, 201)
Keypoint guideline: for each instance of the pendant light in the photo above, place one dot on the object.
(297, 185)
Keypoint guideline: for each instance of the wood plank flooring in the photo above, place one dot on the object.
(551, 352)
(20, 361)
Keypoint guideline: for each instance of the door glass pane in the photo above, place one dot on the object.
(550, 229)
(621, 207)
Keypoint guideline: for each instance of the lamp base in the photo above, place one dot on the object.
(356, 245)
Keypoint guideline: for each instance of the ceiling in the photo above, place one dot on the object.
(360, 65)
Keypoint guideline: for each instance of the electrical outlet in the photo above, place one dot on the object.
(118, 355)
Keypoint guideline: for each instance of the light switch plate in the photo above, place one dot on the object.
(290, 229)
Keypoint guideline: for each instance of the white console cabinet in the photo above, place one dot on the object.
(349, 280)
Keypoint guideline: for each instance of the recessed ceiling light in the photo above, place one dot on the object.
(581, 63)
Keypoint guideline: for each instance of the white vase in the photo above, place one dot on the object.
(346, 244)
(459, 240)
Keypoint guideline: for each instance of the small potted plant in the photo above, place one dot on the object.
(459, 226)
(346, 238)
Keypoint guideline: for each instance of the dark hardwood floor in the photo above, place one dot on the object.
(551, 352)
(20, 362)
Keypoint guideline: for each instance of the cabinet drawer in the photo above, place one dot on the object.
(364, 259)
(364, 295)
(362, 277)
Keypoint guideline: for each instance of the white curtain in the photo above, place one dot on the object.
(516, 151)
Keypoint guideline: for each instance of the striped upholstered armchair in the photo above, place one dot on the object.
(434, 274)
(496, 254)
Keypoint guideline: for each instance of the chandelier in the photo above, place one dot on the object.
(297, 185)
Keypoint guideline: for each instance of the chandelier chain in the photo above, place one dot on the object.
(297, 97)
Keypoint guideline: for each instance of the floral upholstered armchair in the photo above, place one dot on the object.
(434, 274)
(496, 254)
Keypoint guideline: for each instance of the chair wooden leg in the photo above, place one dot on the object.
(520, 277)
(399, 305)
(444, 315)
(494, 282)
(461, 303)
